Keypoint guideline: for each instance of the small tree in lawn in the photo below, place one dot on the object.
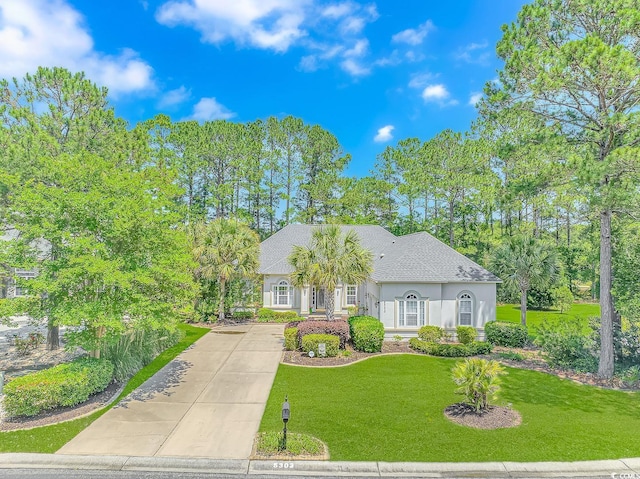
(478, 380)
(331, 257)
(524, 263)
(225, 249)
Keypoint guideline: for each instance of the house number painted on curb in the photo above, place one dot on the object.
(283, 465)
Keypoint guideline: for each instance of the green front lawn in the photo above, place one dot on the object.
(390, 408)
(49, 439)
(511, 313)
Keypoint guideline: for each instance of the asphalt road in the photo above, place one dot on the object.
(92, 474)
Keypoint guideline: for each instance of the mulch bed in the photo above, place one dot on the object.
(495, 417)
(61, 414)
(301, 359)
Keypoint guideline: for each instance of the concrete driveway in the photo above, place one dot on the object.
(208, 402)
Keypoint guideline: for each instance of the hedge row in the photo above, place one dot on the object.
(62, 385)
(367, 333)
(512, 335)
(336, 328)
(449, 350)
(310, 342)
(266, 315)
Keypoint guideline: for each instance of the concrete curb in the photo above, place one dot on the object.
(629, 468)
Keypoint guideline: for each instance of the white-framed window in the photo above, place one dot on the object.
(352, 295)
(282, 294)
(412, 311)
(465, 309)
(21, 290)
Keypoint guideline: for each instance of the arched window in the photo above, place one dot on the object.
(412, 311)
(282, 294)
(465, 309)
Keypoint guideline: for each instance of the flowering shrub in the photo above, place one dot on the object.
(336, 327)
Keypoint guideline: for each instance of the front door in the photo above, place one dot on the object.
(317, 299)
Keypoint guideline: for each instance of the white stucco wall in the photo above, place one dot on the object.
(442, 301)
(379, 300)
(484, 303)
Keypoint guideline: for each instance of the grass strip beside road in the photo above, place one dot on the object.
(48, 439)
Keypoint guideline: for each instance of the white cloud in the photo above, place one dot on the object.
(475, 98)
(354, 68)
(174, 97)
(474, 53)
(384, 134)
(414, 36)
(338, 10)
(420, 80)
(435, 92)
(438, 93)
(308, 63)
(359, 49)
(267, 24)
(51, 33)
(209, 109)
(353, 25)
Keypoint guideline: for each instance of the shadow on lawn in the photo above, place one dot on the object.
(161, 383)
(543, 389)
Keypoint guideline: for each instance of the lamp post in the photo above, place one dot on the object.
(286, 412)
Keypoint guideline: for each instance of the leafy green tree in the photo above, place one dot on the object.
(524, 263)
(331, 257)
(93, 217)
(225, 250)
(576, 65)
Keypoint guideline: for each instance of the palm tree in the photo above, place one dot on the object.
(330, 258)
(524, 263)
(225, 249)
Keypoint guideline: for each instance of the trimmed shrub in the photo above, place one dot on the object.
(310, 343)
(241, 315)
(62, 385)
(291, 339)
(450, 350)
(466, 334)
(478, 381)
(431, 334)
(367, 334)
(336, 327)
(361, 317)
(511, 335)
(480, 347)
(266, 315)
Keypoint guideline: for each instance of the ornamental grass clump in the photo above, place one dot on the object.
(478, 380)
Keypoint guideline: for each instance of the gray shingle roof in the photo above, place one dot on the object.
(416, 258)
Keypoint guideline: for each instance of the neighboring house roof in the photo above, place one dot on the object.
(414, 258)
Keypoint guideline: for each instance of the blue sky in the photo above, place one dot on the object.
(372, 73)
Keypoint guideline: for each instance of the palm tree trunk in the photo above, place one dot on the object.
(330, 300)
(523, 307)
(223, 285)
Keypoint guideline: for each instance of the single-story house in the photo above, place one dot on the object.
(417, 280)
